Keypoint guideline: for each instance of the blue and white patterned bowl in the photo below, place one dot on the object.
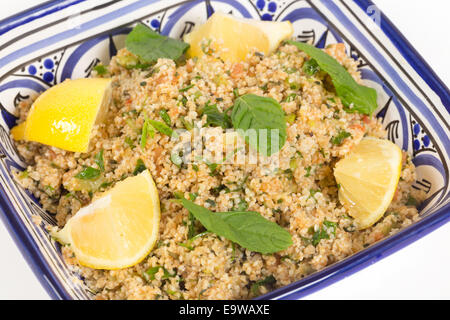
(66, 39)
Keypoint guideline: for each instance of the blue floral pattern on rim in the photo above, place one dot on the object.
(73, 50)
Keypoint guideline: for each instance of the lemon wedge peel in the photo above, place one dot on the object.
(235, 37)
(64, 115)
(119, 228)
(368, 179)
(18, 132)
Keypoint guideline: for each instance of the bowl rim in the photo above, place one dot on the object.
(316, 281)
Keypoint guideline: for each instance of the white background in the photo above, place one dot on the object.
(420, 271)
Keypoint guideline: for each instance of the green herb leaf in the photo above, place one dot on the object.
(290, 118)
(241, 206)
(412, 202)
(252, 112)
(311, 67)
(100, 69)
(88, 173)
(248, 229)
(163, 128)
(189, 126)
(339, 139)
(193, 196)
(290, 97)
(147, 130)
(140, 167)
(178, 195)
(355, 97)
(150, 273)
(308, 172)
(236, 92)
(330, 226)
(186, 245)
(187, 88)
(165, 116)
(318, 236)
(270, 280)
(176, 159)
(215, 117)
(104, 185)
(149, 45)
(191, 228)
(99, 160)
(130, 143)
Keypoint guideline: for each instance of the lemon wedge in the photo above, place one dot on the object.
(63, 116)
(368, 179)
(235, 37)
(119, 228)
(18, 132)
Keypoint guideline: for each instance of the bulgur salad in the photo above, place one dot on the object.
(231, 215)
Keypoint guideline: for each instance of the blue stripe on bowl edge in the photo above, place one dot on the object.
(28, 14)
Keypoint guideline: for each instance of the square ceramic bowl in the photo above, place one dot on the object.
(66, 39)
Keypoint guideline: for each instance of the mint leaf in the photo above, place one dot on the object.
(261, 114)
(149, 45)
(248, 229)
(355, 97)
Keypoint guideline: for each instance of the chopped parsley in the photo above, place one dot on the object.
(140, 167)
(147, 131)
(412, 202)
(187, 88)
(88, 173)
(100, 69)
(130, 143)
(99, 160)
(290, 98)
(339, 139)
(242, 205)
(268, 281)
(149, 274)
(308, 172)
(165, 116)
(311, 67)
